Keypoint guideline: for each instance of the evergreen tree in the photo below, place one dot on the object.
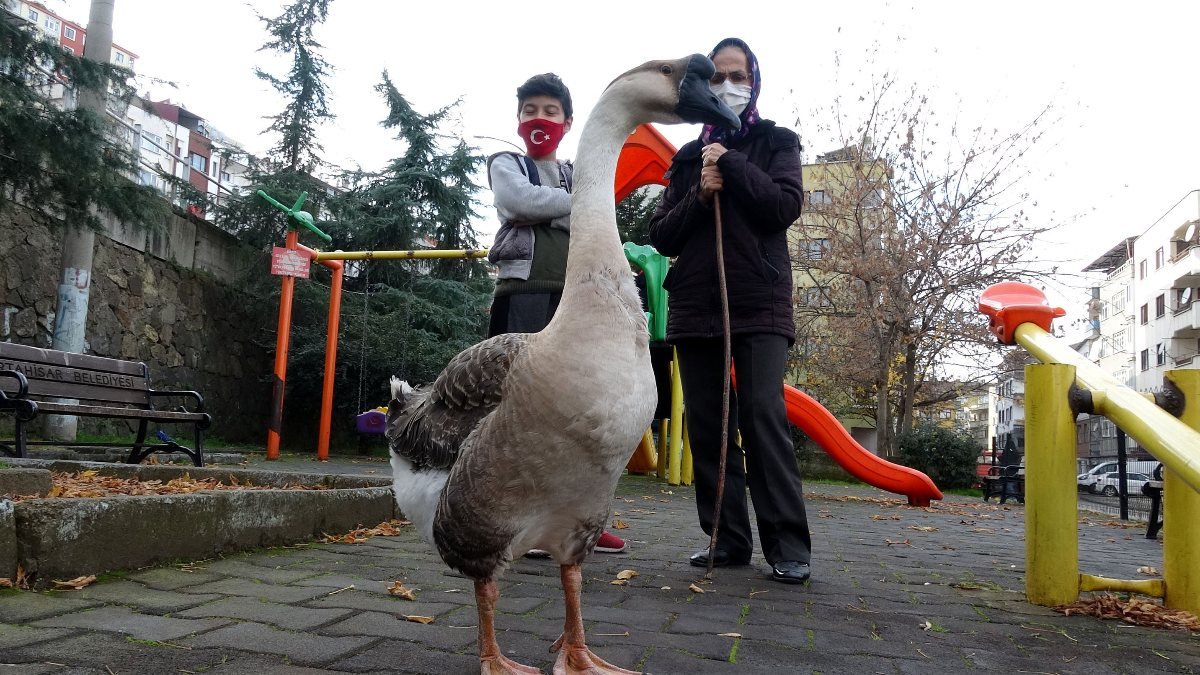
(62, 165)
(292, 35)
(633, 215)
(424, 195)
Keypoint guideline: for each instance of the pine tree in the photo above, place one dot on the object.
(307, 106)
(62, 165)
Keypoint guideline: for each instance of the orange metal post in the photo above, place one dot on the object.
(283, 332)
(331, 343)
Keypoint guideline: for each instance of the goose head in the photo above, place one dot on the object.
(675, 92)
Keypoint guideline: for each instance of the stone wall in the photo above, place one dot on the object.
(170, 298)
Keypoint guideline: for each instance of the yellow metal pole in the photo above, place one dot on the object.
(1051, 512)
(1181, 508)
(663, 428)
(687, 473)
(1167, 438)
(402, 255)
(675, 456)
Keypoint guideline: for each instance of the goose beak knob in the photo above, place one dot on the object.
(697, 103)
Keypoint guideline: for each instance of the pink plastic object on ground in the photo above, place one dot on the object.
(1009, 304)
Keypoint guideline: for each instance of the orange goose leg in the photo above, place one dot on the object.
(491, 661)
(574, 658)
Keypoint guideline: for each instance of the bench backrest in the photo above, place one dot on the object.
(91, 379)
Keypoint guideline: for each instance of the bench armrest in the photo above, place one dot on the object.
(22, 383)
(24, 408)
(185, 394)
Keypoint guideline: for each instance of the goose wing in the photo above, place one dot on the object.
(427, 425)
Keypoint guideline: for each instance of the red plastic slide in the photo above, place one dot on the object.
(820, 425)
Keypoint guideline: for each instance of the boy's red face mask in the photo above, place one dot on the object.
(541, 136)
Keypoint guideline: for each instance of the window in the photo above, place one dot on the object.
(120, 58)
(819, 197)
(1142, 269)
(1160, 354)
(1118, 303)
(1183, 297)
(225, 177)
(814, 249)
(148, 142)
(215, 164)
(1159, 257)
(69, 33)
(1145, 315)
(1160, 306)
(52, 25)
(198, 162)
(33, 16)
(812, 296)
(1118, 341)
(1145, 359)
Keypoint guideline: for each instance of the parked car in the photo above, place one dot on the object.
(1109, 484)
(1087, 481)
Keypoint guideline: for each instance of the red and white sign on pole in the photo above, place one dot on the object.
(288, 263)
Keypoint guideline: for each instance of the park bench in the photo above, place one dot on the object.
(36, 381)
(1004, 483)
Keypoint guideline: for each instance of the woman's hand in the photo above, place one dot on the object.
(711, 181)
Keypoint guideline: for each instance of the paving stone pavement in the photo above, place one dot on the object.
(895, 590)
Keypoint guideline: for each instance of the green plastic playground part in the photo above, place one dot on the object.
(303, 217)
(654, 265)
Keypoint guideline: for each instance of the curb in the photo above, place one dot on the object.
(67, 538)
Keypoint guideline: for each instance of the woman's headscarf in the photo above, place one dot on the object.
(749, 116)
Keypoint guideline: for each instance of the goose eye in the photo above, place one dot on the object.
(665, 69)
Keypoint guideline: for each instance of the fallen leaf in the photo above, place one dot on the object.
(922, 528)
(626, 574)
(665, 588)
(926, 625)
(620, 524)
(754, 593)
(695, 589)
(906, 542)
(6, 583)
(1148, 571)
(618, 582)
(398, 589)
(76, 583)
(737, 635)
(1135, 611)
(419, 619)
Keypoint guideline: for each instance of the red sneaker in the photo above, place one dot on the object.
(610, 543)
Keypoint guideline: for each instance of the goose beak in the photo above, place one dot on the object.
(697, 103)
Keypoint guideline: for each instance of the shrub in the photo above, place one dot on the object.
(947, 457)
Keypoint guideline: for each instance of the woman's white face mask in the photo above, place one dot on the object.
(736, 96)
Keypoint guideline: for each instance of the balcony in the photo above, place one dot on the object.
(1185, 321)
(1185, 268)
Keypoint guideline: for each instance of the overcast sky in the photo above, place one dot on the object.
(1121, 78)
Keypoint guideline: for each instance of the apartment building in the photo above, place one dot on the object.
(168, 140)
(63, 31)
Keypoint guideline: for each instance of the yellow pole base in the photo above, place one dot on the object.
(1181, 508)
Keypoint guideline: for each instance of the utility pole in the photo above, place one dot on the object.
(75, 284)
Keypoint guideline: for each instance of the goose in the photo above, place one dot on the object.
(519, 442)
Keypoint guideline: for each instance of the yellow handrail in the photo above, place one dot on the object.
(1167, 438)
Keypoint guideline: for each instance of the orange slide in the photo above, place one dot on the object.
(820, 425)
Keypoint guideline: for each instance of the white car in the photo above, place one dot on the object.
(1110, 483)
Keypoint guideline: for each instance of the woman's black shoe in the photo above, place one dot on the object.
(790, 571)
(720, 559)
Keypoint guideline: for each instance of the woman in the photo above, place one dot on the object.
(756, 172)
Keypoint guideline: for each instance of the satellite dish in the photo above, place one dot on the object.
(1190, 234)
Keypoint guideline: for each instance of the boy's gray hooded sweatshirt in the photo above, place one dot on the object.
(520, 204)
